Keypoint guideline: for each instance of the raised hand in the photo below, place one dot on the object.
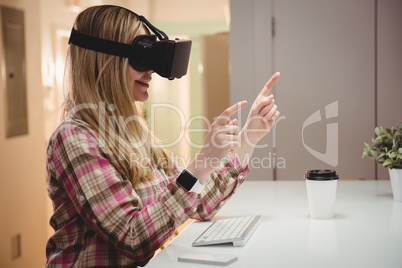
(224, 135)
(221, 138)
(262, 116)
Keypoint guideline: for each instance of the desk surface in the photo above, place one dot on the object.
(365, 232)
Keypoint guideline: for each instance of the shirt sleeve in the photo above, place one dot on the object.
(212, 198)
(107, 202)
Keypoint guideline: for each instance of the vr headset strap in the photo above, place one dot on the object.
(160, 34)
(100, 45)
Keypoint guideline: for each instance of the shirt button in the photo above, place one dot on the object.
(241, 177)
(82, 198)
(94, 221)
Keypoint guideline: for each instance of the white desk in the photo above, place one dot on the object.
(366, 231)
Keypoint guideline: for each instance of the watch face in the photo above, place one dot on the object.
(186, 180)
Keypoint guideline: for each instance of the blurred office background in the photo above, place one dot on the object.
(340, 64)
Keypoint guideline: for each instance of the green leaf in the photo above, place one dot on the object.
(394, 147)
(373, 153)
(392, 155)
(378, 140)
(387, 162)
(377, 131)
(400, 126)
(391, 131)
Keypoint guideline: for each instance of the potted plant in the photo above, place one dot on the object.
(387, 151)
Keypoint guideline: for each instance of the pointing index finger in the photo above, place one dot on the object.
(229, 112)
(267, 88)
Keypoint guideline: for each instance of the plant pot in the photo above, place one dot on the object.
(395, 176)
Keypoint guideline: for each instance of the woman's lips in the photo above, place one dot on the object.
(143, 83)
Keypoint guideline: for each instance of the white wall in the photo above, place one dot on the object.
(326, 52)
(185, 10)
(389, 81)
(22, 160)
(251, 66)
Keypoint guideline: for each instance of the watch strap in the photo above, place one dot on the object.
(197, 188)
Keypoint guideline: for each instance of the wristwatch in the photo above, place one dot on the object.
(189, 182)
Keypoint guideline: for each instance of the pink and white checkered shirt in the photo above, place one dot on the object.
(100, 220)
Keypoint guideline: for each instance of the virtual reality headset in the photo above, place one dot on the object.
(168, 58)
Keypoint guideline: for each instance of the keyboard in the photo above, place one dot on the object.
(233, 230)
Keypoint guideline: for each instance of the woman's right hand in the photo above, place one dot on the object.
(221, 138)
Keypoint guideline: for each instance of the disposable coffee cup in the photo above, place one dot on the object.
(321, 192)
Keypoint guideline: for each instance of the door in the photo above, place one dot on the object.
(325, 51)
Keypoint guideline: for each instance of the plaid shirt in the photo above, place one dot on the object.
(100, 219)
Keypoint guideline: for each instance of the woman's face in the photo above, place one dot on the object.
(139, 81)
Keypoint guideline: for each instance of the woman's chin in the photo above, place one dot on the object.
(141, 97)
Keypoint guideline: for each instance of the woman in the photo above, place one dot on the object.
(117, 197)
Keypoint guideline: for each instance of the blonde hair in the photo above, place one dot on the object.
(99, 79)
